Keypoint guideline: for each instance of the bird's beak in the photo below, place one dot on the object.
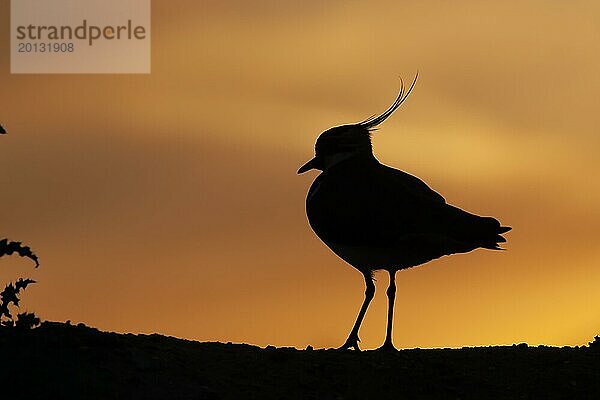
(312, 164)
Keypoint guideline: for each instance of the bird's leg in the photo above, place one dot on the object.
(352, 341)
(391, 294)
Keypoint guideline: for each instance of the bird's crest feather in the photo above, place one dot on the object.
(373, 121)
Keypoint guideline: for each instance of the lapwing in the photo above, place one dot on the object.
(376, 217)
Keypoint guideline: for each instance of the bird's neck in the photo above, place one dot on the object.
(345, 158)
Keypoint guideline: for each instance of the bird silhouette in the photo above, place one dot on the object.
(2, 131)
(379, 218)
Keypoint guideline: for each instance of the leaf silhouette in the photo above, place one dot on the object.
(23, 283)
(9, 295)
(8, 248)
(27, 321)
(4, 311)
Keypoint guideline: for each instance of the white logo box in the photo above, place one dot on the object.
(80, 36)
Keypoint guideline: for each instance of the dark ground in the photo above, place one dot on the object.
(59, 361)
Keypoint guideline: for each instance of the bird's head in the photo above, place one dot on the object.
(346, 141)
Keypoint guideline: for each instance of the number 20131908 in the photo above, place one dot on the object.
(46, 47)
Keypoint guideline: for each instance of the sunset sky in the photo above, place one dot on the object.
(170, 202)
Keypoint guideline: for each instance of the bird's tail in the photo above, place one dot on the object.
(493, 242)
(475, 231)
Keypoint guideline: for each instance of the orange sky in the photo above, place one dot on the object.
(170, 202)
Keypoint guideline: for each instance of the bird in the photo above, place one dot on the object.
(2, 131)
(376, 217)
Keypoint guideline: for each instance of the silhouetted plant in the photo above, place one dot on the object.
(8, 248)
(27, 321)
(10, 294)
(595, 343)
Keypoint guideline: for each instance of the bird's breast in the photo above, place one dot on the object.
(336, 211)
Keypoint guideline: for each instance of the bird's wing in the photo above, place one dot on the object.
(434, 217)
(381, 206)
(408, 184)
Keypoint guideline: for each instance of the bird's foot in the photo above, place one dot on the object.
(387, 347)
(351, 342)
